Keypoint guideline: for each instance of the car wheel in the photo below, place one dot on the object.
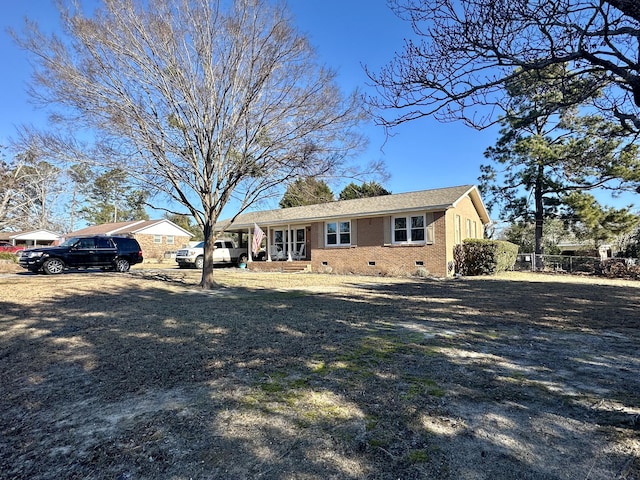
(53, 266)
(199, 263)
(122, 265)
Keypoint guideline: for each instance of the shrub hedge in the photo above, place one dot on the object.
(618, 268)
(484, 257)
(9, 256)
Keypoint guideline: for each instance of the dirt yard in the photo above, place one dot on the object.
(305, 376)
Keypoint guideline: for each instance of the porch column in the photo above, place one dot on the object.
(249, 245)
(289, 243)
(268, 235)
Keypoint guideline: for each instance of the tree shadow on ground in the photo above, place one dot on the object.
(425, 379)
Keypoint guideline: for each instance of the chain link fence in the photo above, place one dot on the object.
(530, 262)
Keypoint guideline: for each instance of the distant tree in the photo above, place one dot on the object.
(306, 191)
(547, 150)
(80, 175)
(597, 224)
(367, 189)
(29, 192)
(203, 101)
(42, 190)
(111, 198)
(523, 234)
(185, 221)
(630, 244)
(10, 199)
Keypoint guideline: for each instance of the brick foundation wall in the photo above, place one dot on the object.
(381, 260)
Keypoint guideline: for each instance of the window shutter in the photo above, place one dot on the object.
(387, 230)
(321, 232)
(430, 237)
(354, 232)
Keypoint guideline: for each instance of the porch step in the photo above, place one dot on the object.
(294, 267)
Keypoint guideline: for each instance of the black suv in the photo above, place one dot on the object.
(113, 253)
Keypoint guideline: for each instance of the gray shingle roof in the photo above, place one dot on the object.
(120, 228)
(430, 200)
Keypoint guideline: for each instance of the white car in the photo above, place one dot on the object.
(225, 252)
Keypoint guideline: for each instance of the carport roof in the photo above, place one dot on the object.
(429, 200)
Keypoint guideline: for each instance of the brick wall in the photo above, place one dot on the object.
(372, 256)
(155, 251)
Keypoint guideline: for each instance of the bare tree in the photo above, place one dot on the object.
(41, 190)
(464, 51)
(29, 193)
(11, 201)
(203, 100)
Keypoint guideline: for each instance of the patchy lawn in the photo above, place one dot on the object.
(303, 376)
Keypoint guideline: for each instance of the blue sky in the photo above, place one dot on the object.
(347, 34)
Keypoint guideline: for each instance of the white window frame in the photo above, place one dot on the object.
(339, 232)
(171, 240)
(157, 239)
(408, 229)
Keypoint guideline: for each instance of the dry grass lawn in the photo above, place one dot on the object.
(305, 376)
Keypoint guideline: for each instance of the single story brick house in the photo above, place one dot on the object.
(399, 234)
(156, 237)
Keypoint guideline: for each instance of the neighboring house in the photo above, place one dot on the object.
(31, 238)
(576, 248)
(156, 237)
(388, 235)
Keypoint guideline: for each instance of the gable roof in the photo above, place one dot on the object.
(42, 234)
(438, 199)
(124, 228)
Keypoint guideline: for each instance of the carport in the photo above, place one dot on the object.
(31, 238)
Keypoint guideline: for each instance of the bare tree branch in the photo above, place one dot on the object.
(463, 52)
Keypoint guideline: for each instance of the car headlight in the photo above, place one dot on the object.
(34, 254)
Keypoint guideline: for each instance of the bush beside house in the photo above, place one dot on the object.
(484, 257)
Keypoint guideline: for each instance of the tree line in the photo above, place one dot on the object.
(38, 194)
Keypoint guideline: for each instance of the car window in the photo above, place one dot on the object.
(104, 243)
(124, 243)
(85, 243)
(70, 242)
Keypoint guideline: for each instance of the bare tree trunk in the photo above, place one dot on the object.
(539, 218)
(208, 279)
